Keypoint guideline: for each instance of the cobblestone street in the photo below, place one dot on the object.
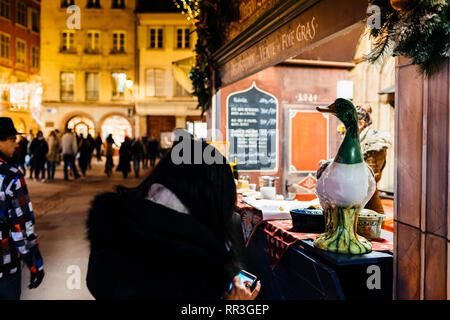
(61, 210)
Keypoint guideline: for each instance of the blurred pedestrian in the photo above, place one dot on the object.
(39, 150)
(91, 149)
(109, 153)
(52, 155)
(84, 149)
(69, 150)
(153, 150)
(145, 154)
(17, 237)
(22, 153)
(125, 157)
(98, 147)
(30, 155)
(137, 154)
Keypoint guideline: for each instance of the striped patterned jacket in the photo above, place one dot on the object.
(17, 237)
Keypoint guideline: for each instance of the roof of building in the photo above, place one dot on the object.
(156, 6)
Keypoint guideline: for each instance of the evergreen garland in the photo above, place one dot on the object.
(419, 31)
(211, 25)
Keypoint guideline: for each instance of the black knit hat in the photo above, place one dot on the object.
(7, 128)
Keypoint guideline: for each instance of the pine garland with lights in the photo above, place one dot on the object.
(211, 18)
(417, 29)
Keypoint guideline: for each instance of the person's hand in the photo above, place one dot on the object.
(36, 279)
(241, 292)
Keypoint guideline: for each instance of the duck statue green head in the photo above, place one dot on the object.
(344, 187)
(350, 149)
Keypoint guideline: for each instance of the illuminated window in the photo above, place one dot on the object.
(118, 127)
(183, 38)
(155, 82)
(5, 8)
(118, 83)
(93, 4)
(67, 86)
(93, 42)
(92, 86)
(118, 42)
(35, 56)
(67, 3)
(156, 38)
(35, 21)
(81, 126)
(22, 13)
(5, 46)
(68, 41)
(118, 4)
(21, 53)
(180, 91)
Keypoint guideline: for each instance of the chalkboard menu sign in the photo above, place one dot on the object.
(252, 119)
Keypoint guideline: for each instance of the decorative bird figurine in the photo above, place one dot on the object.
(344, 186)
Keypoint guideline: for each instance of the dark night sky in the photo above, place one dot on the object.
(156, 6)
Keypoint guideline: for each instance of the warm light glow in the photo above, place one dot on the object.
(24, 96)
(82, 125)
(191, 8)
(118, 126)
(129, 84)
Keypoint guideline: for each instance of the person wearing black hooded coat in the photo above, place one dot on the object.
(175, 244)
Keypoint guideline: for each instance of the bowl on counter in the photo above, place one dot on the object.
(369, 224)
(308, 220)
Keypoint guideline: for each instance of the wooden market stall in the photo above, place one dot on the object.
(253, 63)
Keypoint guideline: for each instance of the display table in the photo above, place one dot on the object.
(290, 267)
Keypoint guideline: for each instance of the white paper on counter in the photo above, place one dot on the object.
(276, 209)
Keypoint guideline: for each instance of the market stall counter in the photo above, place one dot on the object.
(291, 268)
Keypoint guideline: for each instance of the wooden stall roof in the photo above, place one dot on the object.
(293, 29)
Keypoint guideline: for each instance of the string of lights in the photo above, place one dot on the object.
(191, 8)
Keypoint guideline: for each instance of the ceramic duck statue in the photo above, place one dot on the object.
(344, 187)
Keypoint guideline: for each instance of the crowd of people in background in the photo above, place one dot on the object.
(37, 157)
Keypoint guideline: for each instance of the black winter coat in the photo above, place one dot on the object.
(142, 250)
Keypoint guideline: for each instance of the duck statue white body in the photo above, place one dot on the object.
(344, 187)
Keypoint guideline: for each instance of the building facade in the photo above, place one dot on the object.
(88, 70)
(20, 88)
(165, 43)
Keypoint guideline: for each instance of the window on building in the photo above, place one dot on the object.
(5, 8)
(67, 82)
(68, 41)
(180, 91)
(67, 3)
(93, 4)
(35, 57)
(5, 95)
(118, 4)
(21, 52)
(35, 21)
(118, 85)
(155, 82)
(118, 42)
(156, 38)
(183, 38)
(93, 42)
(92, 86)
(5, 46)
(22, 13)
